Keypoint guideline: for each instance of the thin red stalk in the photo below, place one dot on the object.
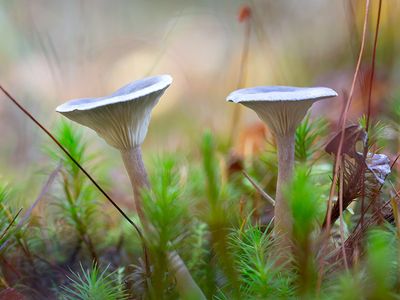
(371, 78)
(346, 110)
(9, 225)
(242, 75)
(339, 153)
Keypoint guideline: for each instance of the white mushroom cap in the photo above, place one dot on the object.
(281, 107)
(121, 118)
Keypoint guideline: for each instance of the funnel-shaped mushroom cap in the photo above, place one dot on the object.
(281, 107)
(122, 118)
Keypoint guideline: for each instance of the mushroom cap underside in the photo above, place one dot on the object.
(122, 123)
(281, 117)
(280, 94)
(281, 107)
(132, 91)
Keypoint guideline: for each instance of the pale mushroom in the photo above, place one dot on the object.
(282, 108)
(122, 119)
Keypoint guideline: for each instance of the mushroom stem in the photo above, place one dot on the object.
(187, 287)
(283, 218)
(137, 174)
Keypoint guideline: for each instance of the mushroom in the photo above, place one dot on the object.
(282, 108)
(122, 119)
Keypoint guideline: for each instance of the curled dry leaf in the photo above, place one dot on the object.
(352, 135)
(361, 174)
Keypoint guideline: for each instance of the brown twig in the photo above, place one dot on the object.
(259, 189)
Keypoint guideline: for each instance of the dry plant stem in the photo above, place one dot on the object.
(283, 218)
(339, 152)
(241, 80)
(371, 81)
(137, 174)
(259, 189)
(345, 112)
